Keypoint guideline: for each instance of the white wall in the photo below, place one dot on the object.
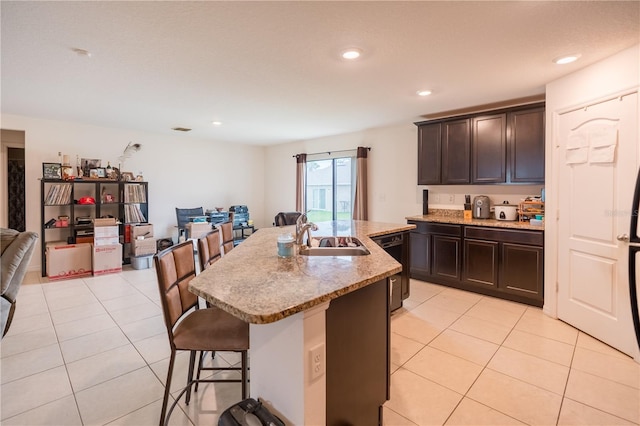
(614, 74)
(181, 171)
(393, 175)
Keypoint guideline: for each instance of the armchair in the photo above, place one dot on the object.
(17, 248)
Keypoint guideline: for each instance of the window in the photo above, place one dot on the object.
(330, 188)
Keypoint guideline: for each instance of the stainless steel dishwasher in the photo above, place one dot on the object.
(397, 245)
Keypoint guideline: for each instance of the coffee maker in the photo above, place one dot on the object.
(481, 207)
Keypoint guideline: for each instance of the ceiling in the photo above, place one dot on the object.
(271, 71)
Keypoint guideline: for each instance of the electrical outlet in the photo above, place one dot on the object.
(436, 198)
(452, 199)
(316, 361)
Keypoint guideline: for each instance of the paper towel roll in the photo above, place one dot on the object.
(65, 160)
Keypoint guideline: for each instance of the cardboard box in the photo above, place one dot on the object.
(68, 260)
(196, 230)
(105, 232)
(141, 230)
(143, 247)
(107, 259)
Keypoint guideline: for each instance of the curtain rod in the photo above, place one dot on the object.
(329, 152)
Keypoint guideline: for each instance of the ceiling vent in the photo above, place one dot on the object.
(181, 129)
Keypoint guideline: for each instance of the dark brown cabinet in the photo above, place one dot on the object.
(489, 163)
(505, 263)
(481, 263)
(522, 270)
(496, 147)
(526, 146)
(446, 255)
(456, 152)
(436, 251)
(429, 154)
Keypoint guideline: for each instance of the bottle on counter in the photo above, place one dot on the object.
(285, 245)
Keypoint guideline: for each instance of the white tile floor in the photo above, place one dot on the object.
(94, 351)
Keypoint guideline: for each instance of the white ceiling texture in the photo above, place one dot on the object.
(271, 72)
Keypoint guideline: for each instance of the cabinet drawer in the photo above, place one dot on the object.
(535, 238)
(437, 228)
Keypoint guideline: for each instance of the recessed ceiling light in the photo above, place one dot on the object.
(567, 59)
(217, 123)
(351, 53)
(423, 92)
(81, 52)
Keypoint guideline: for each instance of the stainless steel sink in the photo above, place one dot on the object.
(335, 246)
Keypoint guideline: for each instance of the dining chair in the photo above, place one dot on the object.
(193, 329)
(227, 236)
(286, 218)
(209, 249)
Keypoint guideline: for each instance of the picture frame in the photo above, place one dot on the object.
(52, 171)
(93, 173)
(67, 173)
(127, 176)
(86, 164)
(102, 172)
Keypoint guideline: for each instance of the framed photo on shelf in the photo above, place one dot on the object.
(102, 172)
(127, 176)
(52, 170)
(89, 163)
(93, 173)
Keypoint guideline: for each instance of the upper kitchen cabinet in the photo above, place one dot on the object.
(526, 146)
(456, 152)
(429, 154)
(489, 149)
(495, 147)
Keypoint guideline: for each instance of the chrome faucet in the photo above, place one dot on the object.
(302, 226)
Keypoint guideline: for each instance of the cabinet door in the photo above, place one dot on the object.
(446, 257)
(456, 152)
(429, 153)
(489, 143)
(526, 146)
(481, 263)
(419, 258)
(522, 270)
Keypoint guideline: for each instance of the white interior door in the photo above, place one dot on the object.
(594, 199)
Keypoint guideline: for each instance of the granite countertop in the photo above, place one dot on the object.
(456, 217)
(257, 286)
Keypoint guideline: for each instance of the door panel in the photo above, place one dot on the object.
(594, 199)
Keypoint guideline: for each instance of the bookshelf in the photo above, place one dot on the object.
(64, 218)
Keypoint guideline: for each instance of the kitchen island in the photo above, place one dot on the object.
(319, 325)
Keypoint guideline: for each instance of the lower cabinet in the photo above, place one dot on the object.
(506, 263)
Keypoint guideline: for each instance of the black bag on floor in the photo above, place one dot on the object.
(248, 413)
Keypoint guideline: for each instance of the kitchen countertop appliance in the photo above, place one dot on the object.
(506, 211)
(481, 207)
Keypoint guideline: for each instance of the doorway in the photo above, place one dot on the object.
(12, 190)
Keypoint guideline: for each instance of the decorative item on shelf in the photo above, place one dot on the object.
(128, 152)
(139, 177)
(78, 168)
(127, 176)
(51, 170)
(88, 164)
(102, 172)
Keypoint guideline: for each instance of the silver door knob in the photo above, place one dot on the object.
(623, 237)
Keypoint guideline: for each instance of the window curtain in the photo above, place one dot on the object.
(301, 166)
(360, 210)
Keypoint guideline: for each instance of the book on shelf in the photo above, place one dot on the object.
(134, 193)
(133, 214)
(58, 194)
